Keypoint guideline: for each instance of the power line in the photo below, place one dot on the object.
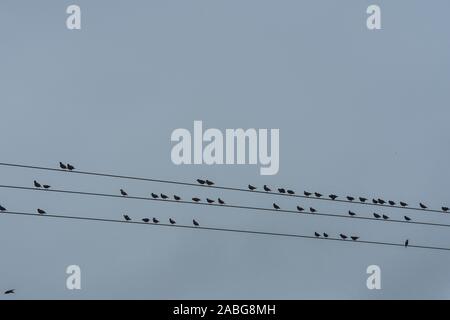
(214, 187)
(220, 229)
(96, 194)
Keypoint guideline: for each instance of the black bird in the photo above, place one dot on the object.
(62, 166)
(163, 196)
(276, 206)
(318, 195)
(281, 190)
(354, 238)
(196, 199)
(195, 223)
(374, 201)
(406, 243)
(126, 217)
(445, 209)
(40, 211)
(172, 221)
(423, 206)
(291, 192)
(209, 183)
(201, 181)
(70, 167)
(2, 208)
(317, 234)
(300, 208)
(155, 196)
(385, 217)
(392, 203)
(376, 215)
(220, 201)
(362, 199)
(12, 291)
(37, 184)
(312, 210)
(209, 200)
(177, 198)
(350, 198)
(351, 213)
(333, 196)
(306, 193)
(146, 220)
(251, 187)
(407, 218)
(46, 186)
(122, 192)
(343, 236)
(325, 235)
(155, 220)
(381, 201)
(266, 188)
(403, 204)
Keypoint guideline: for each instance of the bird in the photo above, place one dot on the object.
(403, 204)
(374, 201)
(281, 190)
(2, 208)
(155, 220)
(354, 238)
(123, 193)
(376, 215)
(40, 211)
(392, 203)
(266, 188)
(350, 198)
(201, 181)
(362, 199)
(407, 218)
(70, 167)
(325, 235)
(220, 201)
(312, 209)
(172, 221)
(209, 182)
(62, 166)
(37, 184)
(385, 217)
(333, 196)
(177, 198)
(12, 291)
(163, 196)
(343, 236)
(46, 186)
(146, 220)
(196, 199)
(423, 206)
(300, 208)
(406, 243)
(155, 196)
(306, 193)
(195, 223)
(251, 187)
(277, 207)
(317, 234)
(126, 217)
(381, 201)
(209, 200)
(351, 213)
(318, 195)
(445, 209)
(291, 192)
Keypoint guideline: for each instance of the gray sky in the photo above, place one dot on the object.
(359, 112)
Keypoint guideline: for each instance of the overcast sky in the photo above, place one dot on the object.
(360, 112)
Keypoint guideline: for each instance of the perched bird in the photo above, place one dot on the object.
(201, 181)
(163, 196)
(407, 218)
(196, 199)
(333, 196)
(195, 223)
(318, 195)
(325, 235)
(291, 192)
(350, 198)
(46, 186)
(209, 200)
(392, 203)
(445, 209)
(62, 166)
(277, 207)
(403, 204)
(155, 220)
(251, 187)
(177, 198)
(70, 167)
(266, 188)
(306, 193)
(40, 211)
(172, 221)
(374, 201)
(37, 184)
(354, 238)
(281, 190)
(2, 208)
(12, 291)
(376, 215)
(406, 243)
(362, 199)
(123, 193)
(220, 201)
(146, 220)
(312, 209)
(343, 236)
(209, 182)
(317, 234)
(300, 208)
(126, 217)
(423, 206)
(381, 201)
(385, 217)
(155, 196)
(351, 213)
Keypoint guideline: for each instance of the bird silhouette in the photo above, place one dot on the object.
(220, 201)
(407, 218)
(196, 199)
(317, 234)
(251, 187)
(351, 213)
(123, 193)
(155, 196)
(403, 204)
(277, 207)
(172, 221)
(37, 184)
(126, 217)
(350, 198)
(209, 182)
(362, 199)
(392, 203)
(177, 198)
(62, 166)
(343, 236)
(163, 196)
(306, 193)
(318, 195)
(374, 201)
(445, 209)
(423, 206)
(325, 235)
(146, 220)
(281, 190)
(381, 201)
(312, 209)
(40, 211)
(291, 192)
(2, 208)
(333, 196)
(12, 291)
(209, 200)
(46, 186)
(201, 181)
(376, 215)
(195, 223)
(155, 220)
(406, 243)
(385, 217)
(354, 238)
(70, 167)
(266, 188)
(300, 208)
